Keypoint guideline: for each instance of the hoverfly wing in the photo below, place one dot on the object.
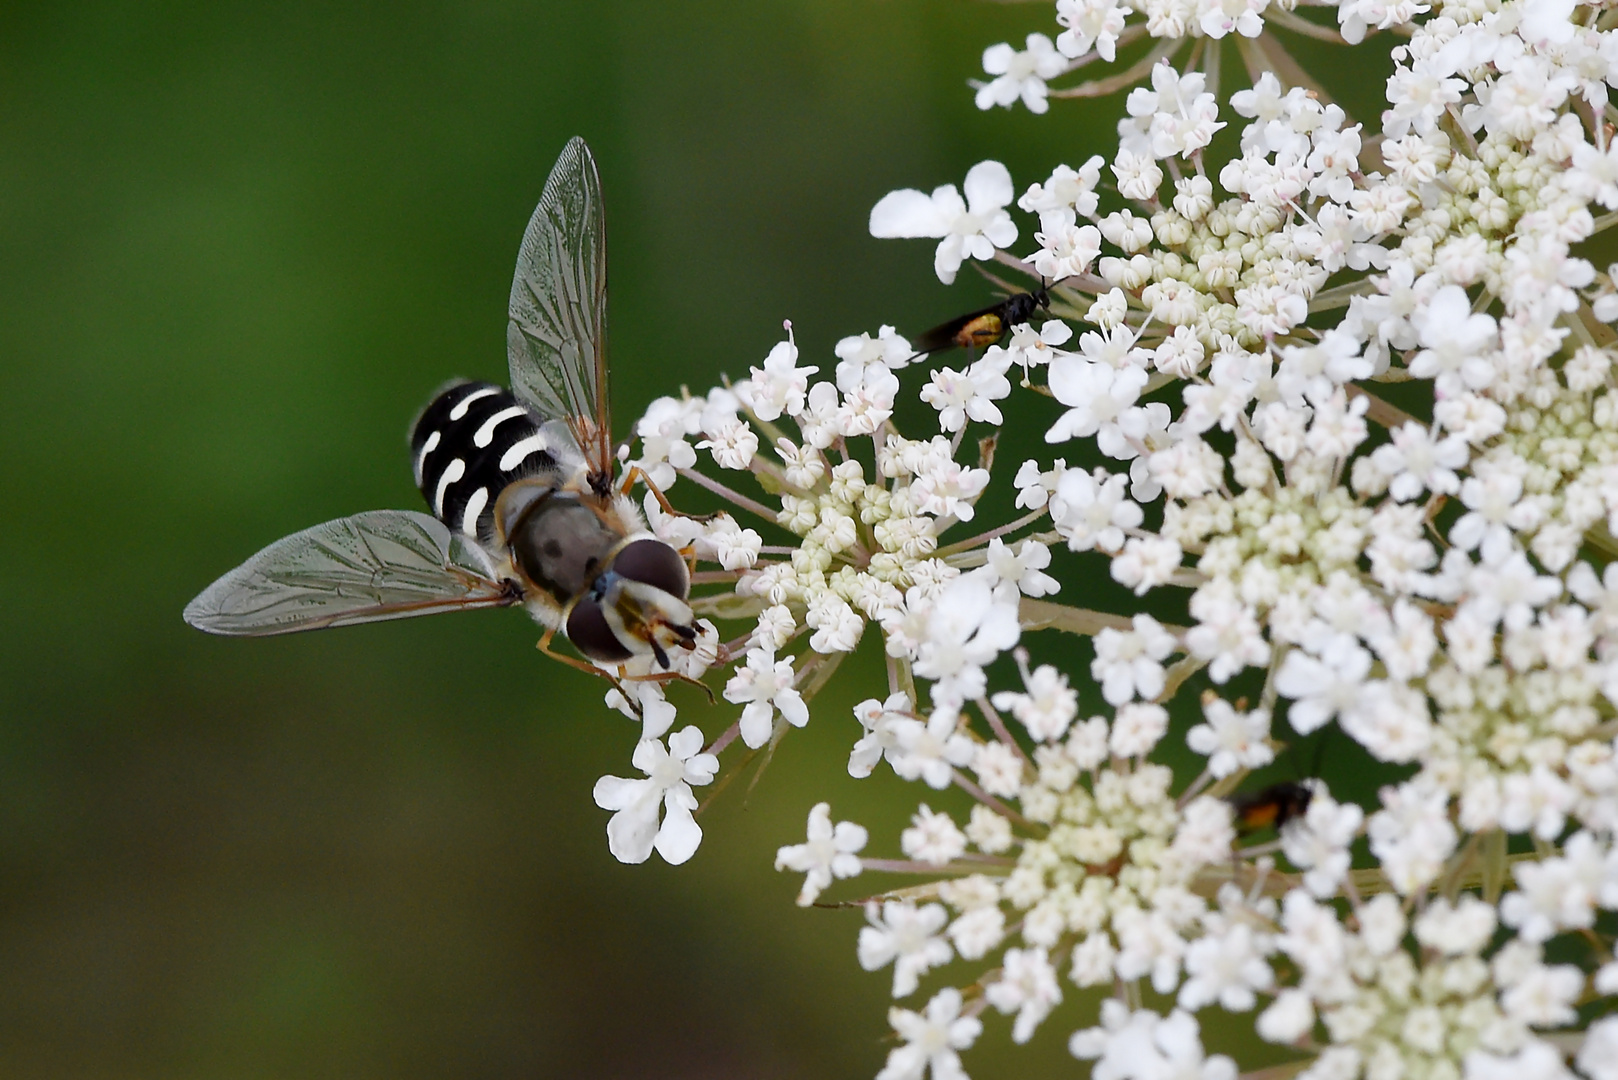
(383, 564)
(556, 334)
(942, 336)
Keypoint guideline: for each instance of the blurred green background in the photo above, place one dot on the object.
(241, 245)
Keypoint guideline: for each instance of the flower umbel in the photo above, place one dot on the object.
(1335, 414)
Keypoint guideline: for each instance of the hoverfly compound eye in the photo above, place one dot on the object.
(652, 562)
(588, 630)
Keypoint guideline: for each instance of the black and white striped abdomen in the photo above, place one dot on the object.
(472, 440)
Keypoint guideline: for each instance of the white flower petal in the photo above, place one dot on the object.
(680, 835)
(988, 186)
(907, 214)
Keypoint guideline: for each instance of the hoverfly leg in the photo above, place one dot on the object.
(704, 687)
(674, 676)
(544, 646)
(635, 472)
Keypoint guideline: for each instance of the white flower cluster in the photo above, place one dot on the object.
(1360, 389)
(1092, 31)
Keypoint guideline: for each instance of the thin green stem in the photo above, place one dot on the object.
(727, 493)
(984, 537)
(1045, 615)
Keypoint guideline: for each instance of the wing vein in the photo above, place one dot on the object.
(555, 340)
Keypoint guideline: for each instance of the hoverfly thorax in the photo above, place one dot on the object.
(556, 541)
(520, 483)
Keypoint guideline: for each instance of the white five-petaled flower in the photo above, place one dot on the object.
(1129, 663)
(933, 1039)
(880, 737)
(1048, 706)
(1096, 395)
(968, 229)
(1232, 740)
(732, 443)
(1457, 345)
(1093, 510)
(779, 386)
(1090, 23)
(968, 627)
(1027, 986)
(1020, 74)
(960, 396)
(1416, 461)
(725, 542)
(830, 852)
(1226, 965)
(1031, 347)
(1563, 892)
(766, 685)
(929, 750)
(858, 352)
(634, 831)
(906, 936)
(1018, 571)
(1067, 195)
(1318, 843)
(1324, 688)
(1496, 508)
(1143, 1045)
(664, 431)
(932, 837)
(1412, 834)
(1227, 631)
(1176, 116)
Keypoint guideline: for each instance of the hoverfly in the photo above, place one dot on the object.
(1272, 807)
(520, 483)
(980, 329)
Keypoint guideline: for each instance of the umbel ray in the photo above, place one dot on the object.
(525, 509)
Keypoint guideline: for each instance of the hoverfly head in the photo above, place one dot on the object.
(636, 606)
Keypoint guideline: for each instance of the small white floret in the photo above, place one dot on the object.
(830, 852)
(635, 830)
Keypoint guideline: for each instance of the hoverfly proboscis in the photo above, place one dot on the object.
(525, 509)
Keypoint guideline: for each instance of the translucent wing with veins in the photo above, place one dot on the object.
(383, 564)
(556, 335)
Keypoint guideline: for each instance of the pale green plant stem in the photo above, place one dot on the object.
(914, 866)
(992, 803)
(1297, 25)
(1178, 673)
(1382, 412)
(724, 492)
(1128, 77)
(1044, 615)
(984, 537)
(998, 726)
